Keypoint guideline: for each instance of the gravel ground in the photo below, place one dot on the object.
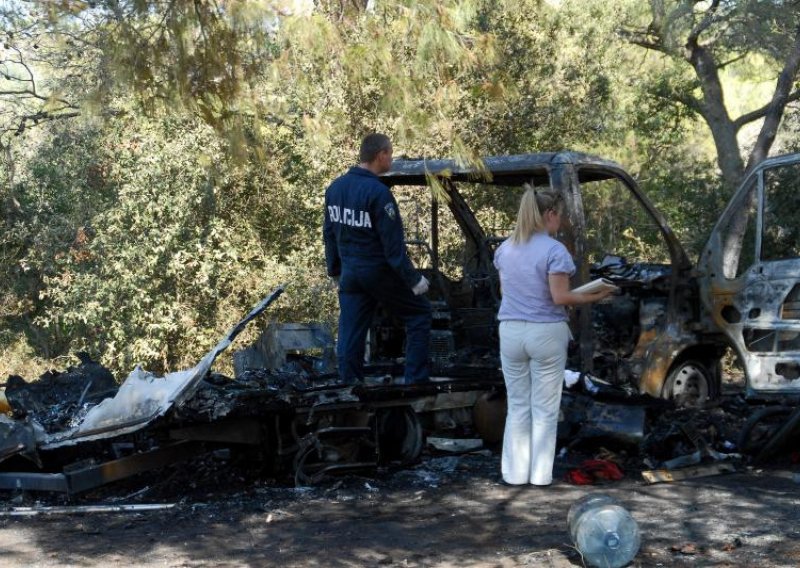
(447, 511)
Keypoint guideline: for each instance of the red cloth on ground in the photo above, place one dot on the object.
(594, 470)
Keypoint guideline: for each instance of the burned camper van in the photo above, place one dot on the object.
(749, 276)
(652, 337)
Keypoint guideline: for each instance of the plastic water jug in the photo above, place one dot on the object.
(603, 531)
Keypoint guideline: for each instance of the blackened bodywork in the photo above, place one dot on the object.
(651, 337)
(662, 334)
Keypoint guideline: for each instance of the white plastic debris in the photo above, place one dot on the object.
(571, 378)
(140, 397)
(455, 444)
(144, 396)
(590, 386)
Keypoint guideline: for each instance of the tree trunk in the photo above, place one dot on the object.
(716, 116)
(775, 113)
(7, 201)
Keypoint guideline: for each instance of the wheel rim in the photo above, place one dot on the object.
(690, 385)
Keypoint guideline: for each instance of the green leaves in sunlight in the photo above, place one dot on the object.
(164, 162)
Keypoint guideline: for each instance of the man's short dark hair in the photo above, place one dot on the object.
(372, 145)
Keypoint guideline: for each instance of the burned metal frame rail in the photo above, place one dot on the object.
(85, 478)
(407, 393)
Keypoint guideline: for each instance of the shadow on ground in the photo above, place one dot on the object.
(448, 511)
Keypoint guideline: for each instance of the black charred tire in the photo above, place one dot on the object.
(312, 463)
(759, 429)
(690, 383)
(400, 436)
(309, 466)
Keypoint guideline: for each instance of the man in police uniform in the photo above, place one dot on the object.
(365, 251)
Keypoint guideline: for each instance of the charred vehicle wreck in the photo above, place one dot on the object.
(749, 276)
(663, 335)
(652, 337)
(74, 431)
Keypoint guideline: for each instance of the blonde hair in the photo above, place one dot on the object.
(532, 206)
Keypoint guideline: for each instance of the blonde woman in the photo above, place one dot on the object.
(534, 277)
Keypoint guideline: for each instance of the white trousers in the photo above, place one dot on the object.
(533, 356)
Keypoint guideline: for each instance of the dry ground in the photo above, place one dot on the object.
(448, 511)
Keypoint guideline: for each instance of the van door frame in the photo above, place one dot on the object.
(753, 299)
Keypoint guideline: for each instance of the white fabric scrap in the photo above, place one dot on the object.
(571, 378)
(141, 396)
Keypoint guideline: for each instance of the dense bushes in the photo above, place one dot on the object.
(191, 184)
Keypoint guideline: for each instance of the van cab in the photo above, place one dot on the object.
(663, 333)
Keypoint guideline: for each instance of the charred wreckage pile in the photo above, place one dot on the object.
(72, 431)
(76, 430)
(648, 379)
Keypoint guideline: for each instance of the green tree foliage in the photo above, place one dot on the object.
(704, 39)
(169, 169)
(176, 240)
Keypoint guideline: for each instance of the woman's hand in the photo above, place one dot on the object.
(563, 296)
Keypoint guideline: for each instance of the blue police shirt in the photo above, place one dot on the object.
(362, 225)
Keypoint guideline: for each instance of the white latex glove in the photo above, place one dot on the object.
(421, 286)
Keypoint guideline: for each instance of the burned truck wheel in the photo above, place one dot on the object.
(690, 383)
(329, 452)
(761, 427)
(310, 465)
(399, 435)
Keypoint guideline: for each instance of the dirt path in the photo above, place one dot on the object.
(446, 512)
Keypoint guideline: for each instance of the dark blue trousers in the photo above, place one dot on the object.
(361, 288)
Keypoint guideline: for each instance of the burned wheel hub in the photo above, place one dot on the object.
(689, 384)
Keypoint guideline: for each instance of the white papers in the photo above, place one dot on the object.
(595, 286)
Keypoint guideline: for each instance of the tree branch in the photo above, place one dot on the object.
(704, 24)
(24, 92)
(643, 38)
(652, 46)
(774, 113)
(37, 118)
(24, 65)
(762, 112)
(731, 61)
(28, 93)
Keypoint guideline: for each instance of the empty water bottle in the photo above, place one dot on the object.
(603, 531)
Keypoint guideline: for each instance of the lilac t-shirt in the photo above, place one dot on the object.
(524, 270)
